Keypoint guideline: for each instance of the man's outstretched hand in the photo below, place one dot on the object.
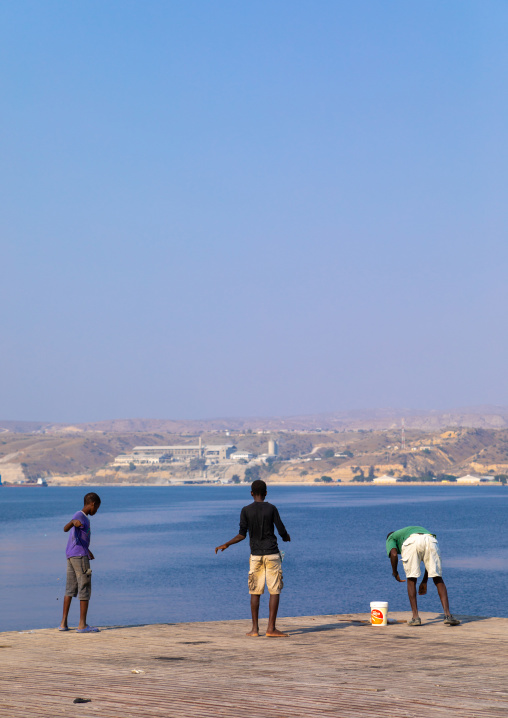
(288, 538)
(398, 578)
(224, 546)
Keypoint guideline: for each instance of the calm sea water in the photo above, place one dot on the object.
(155, 560)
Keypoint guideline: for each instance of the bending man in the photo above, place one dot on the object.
(415, 544)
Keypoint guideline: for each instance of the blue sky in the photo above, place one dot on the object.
(223, 209)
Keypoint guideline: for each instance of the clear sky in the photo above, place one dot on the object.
(231, 208)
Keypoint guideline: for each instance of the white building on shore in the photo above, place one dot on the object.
(385, 479)
(144, 455)
(469, 479)
(241, 455)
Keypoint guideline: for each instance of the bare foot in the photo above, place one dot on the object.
(253, 634)
(423, 589)
(276, 634)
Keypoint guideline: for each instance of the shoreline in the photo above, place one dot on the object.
(317, 484)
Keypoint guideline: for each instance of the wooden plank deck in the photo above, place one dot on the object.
(333, 666)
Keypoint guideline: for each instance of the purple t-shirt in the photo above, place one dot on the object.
(79, 538)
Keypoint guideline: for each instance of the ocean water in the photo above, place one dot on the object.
(155, 559)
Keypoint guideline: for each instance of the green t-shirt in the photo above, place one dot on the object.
(397, 538)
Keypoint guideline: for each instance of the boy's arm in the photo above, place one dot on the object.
(280, 527)
(394, 559)
(224, 546)
(72, 522)
(90, 555)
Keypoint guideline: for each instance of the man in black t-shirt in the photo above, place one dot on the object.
(258, 520)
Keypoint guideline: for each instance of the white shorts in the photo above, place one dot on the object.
(265, 569)
(418, 548)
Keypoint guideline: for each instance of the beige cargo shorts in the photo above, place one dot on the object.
(417, 548)
(265, 569)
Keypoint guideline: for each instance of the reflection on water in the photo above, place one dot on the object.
(155, 560)
(491, 560)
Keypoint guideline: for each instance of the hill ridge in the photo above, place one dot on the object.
(491, 417)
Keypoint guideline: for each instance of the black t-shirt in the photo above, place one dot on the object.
(258, 519)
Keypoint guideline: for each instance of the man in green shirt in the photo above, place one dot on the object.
(415, 544)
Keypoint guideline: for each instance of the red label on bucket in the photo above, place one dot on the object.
(376, 616)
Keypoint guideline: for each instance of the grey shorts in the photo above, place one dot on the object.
(79, 578)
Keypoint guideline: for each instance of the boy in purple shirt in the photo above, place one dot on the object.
(79, 573)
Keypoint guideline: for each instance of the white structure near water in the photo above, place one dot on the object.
(241, 455)
(469, 479)
(143, 455)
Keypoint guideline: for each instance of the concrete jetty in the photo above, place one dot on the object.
(338, 666)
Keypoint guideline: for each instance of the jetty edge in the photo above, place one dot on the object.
(334, 665)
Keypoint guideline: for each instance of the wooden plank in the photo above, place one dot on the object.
(330, 666)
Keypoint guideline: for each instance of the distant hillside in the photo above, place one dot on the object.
(23, 427)
(483, 417)
(304, 455)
